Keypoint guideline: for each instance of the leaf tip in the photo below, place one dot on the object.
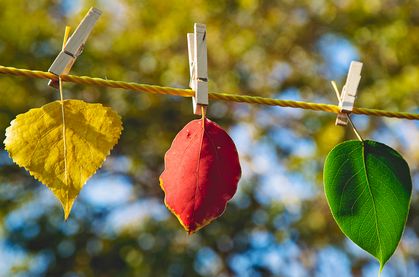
(382, 264)
(67, 206)
(66, 215)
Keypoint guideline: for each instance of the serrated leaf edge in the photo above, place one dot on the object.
(67, 210)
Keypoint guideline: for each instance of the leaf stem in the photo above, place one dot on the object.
(353, 128)
(335, 88)
(203, 116)
(66, 34)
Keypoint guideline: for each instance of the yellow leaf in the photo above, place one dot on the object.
(35, 141)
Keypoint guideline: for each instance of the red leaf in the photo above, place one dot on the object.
(201, 173)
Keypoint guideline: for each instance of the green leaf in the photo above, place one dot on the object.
(368, 188)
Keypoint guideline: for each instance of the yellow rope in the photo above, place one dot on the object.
(189, 93)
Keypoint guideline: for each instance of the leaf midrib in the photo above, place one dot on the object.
(373, 200)
(197, 175)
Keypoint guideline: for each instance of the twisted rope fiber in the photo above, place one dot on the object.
(189, 93)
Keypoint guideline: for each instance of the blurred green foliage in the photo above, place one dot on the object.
(267, 48)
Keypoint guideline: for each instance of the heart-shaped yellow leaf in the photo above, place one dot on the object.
(35, 140)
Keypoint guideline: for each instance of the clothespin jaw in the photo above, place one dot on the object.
(74, 46)
(197, 52)
(348, 95)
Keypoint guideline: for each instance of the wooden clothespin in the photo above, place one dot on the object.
(197, 52)
(74, 46)
(348, 95)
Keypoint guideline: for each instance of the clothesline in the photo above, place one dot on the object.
(85, 80)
